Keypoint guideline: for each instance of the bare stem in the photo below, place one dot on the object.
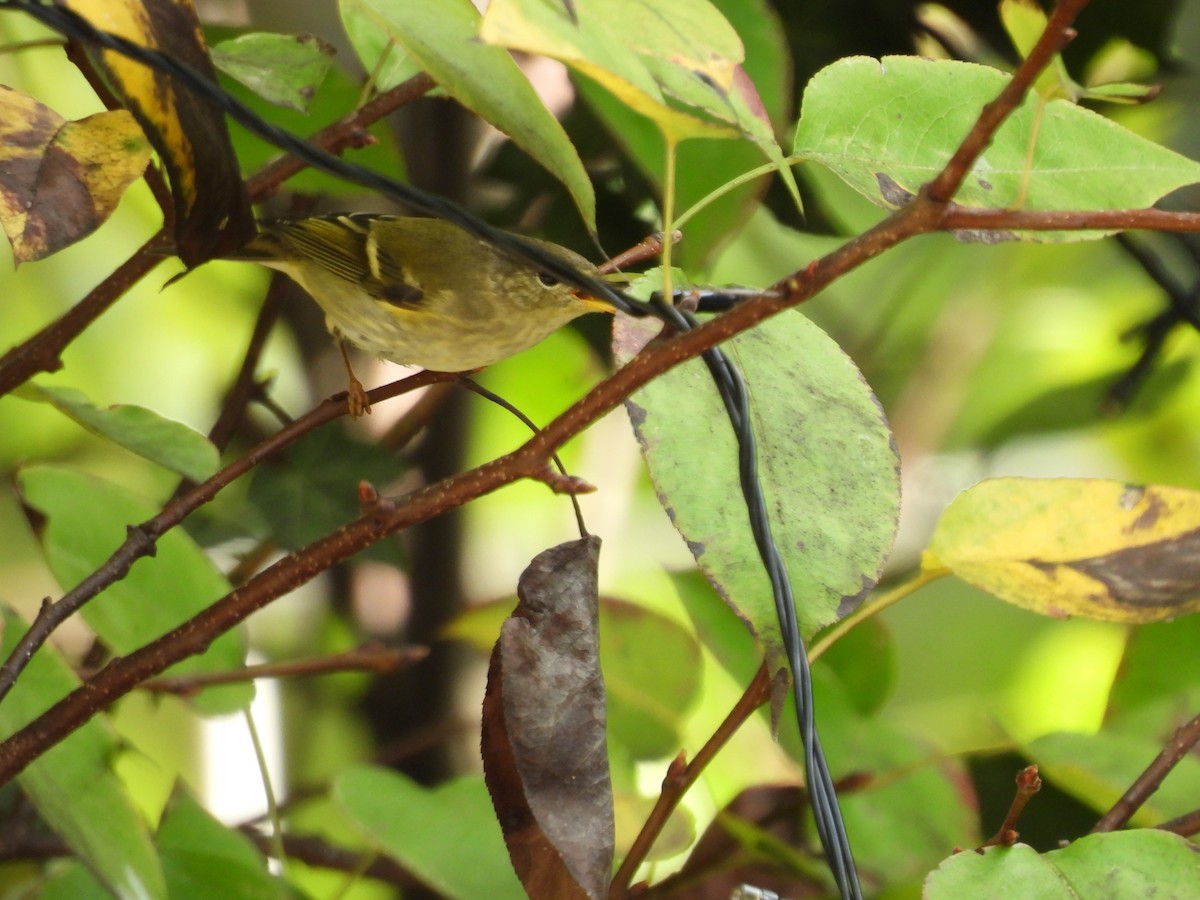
(681, 776)
(1184, 739)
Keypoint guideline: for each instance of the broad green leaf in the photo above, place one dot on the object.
(285, 69)
(1098, 768)
(1122, 864)
(72, 881)
(447, 836)
(1158, 682)
(1025, 21)
(314, 490)
(86, 521)
(1076, 546)
(888, 126)
(171, 444)
(444, 39)
(826, 462)
(73, 785)
(203, 858)
(337, 94)
(648, 693)
(386, 62)
(706, 164)
(643, 53)
(61, 180)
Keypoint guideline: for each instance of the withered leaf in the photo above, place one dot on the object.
(212, 211)
(59, 180)
(545, 756)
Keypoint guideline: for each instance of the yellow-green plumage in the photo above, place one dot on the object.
(421, 292)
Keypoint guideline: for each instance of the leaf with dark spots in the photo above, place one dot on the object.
(212, 211)
(544, 744)
(60, 180)
(1076, 546)
(826, 461)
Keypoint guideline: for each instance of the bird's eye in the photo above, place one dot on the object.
(547, 279)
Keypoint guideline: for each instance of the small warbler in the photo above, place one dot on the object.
(421, 292)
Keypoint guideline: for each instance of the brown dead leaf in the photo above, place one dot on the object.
(545, 753)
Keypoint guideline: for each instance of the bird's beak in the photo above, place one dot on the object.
(595, 304)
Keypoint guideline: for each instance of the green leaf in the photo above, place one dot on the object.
(315, 488)
(86, 521)
(284, 69)
(171, 444)
(641, 52)
(72, 881)
(386, 61)
(337, 94)
(826, 462)
(705, 164)
(1121, 864)
(648, 693)
(73, 785)
(447, 836)
(203, 858)
(888, 126)
(1159, 678)
(444, 39)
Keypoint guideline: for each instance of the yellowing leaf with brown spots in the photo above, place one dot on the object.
(1076, 547)
(60, 180)
(212, 212)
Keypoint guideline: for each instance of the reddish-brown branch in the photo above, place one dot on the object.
(346, 132)
(1184, 826)
(374, 658)
(681, 776)
(1057, 35)
(958, 218)
(1184, 739)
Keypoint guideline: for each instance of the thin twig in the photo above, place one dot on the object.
(1185, 825)
(475, 387)
(1028, 784)
(681, 776)
(374, 658)
(1184, 739)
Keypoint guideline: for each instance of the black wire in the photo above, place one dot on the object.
(731, 386)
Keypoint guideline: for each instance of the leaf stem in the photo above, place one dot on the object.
(872, 609)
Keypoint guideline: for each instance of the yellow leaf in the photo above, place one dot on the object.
(212, 212)
(60, 180)
(1076, 547)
